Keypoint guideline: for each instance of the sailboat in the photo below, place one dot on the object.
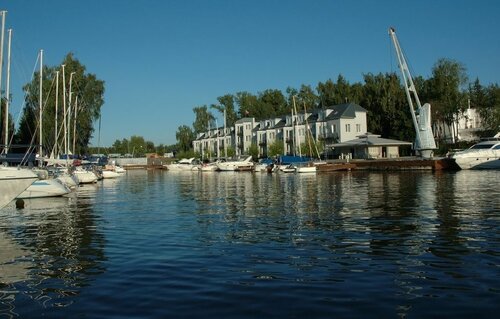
(13, 180)
(307, 167)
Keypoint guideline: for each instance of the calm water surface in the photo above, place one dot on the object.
(156, 244)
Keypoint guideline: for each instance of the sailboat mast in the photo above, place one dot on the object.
(40, 151)
(64, 112)
(225, 140)
(57, 104)
(3, 12)
(74, 124)
(7, 97)
(69, 106)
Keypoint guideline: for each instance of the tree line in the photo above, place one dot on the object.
(71, 101)
(448, 91)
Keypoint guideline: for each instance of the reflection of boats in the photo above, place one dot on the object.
(14, 266)
(45, 188)
(185, 164)
(483, 155)
(13, 181)
(244, 164)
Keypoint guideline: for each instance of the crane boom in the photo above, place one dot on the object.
(424, 139)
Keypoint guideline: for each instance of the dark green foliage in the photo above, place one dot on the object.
(86, 89)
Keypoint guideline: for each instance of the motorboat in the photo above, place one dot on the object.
(263, 165)
(240, 165)
(45, 188)
(85, 176)
(110, 171)
(14, 181)
(483, 155)
(185, 164)
(208, 167)
(308, 168)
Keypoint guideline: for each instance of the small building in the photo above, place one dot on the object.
(369, 146)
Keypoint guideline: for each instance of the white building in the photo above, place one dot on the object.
(465, 127)
(333, 124)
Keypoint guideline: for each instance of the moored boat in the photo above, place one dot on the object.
(185, 164)
(45, 188)
(483, 155)
(244, 164)
(13, 181)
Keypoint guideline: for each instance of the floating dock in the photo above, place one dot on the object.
(406, 163)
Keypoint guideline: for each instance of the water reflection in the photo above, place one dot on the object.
(50, 250)
(346, 244)
(415, 227)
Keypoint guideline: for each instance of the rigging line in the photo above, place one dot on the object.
(23, 103)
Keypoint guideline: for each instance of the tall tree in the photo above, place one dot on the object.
(226, 103)
(307, 97)
(448, 99)
(271, 103)
(185, 137)
(248, 104)
(388, 112)
(87, 89)
(491, 112)
(202, 119)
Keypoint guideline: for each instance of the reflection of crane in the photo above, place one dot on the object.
(424, 140)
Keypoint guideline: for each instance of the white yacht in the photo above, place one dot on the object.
(185, 164)
(13, 181)
(244, 164)
(45, 188)
(483, 155)
(85, 176)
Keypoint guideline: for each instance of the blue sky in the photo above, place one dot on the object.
(161, 58)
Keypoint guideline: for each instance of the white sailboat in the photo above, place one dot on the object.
(13, 181)
(45, 188)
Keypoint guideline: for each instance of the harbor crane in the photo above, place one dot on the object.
(424, 139)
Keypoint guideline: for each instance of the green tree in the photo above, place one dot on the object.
(272, 103)
(307, 97)
(486, 100)
(276, 148)
(137, 144)
(326, 93)
(491, 113)
(226, 102)
(185, 138)
(448, 100)
(87, 98)
(254, 151)
(202, 119)
(388, 111)
(248, 104)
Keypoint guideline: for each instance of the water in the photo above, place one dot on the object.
(156, 244)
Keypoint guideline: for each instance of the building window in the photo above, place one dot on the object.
(348, 127)
(358, 127)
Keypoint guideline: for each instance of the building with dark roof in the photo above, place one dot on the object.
(330, 125)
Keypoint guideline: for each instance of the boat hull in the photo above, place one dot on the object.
(478, 162)
(13, 182)
(45, 188)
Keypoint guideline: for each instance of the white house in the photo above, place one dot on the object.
(333, 124)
